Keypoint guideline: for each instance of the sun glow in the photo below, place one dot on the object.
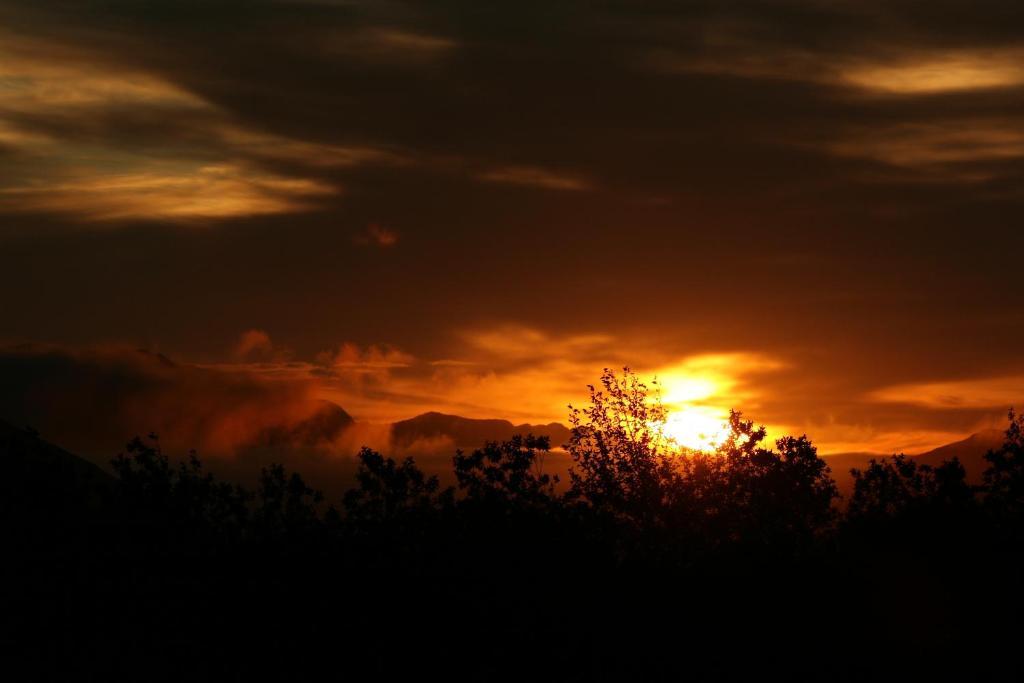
(689, 394)
(696, 427)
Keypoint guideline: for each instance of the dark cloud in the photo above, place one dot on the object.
(828, 183)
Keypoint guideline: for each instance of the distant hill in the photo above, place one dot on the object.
(45, 481)
(971, 452)
(842, 463)
(467, 433)
(325, 425)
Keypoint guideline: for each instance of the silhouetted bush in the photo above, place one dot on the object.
(508, 476)
(622, 463)
(1004, 478)
(182, 503)
(899, 488)
(656, 563)
(391, 492)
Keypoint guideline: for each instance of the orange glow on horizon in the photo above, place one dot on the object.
(696, 427)
(691, 394)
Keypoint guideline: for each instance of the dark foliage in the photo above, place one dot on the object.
(391, 492)
(508, 477)
(1004, 479)
(653, 564)
(898, 488)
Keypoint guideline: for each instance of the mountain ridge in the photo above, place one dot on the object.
(467, 432)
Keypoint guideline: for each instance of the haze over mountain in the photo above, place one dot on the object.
(468, 433)
(431, 437)
(241, 417)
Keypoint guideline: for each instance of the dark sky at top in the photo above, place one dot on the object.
(817, 204)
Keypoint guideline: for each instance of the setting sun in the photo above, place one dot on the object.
(696, 395)
(696, 427)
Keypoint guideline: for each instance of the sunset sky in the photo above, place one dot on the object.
(809, 211)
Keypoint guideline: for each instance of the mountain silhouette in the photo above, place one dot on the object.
(470, 433)
(971, 452)
(32, 466)
(842, 463)
(328, 423)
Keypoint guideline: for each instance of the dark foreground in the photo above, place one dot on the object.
(733, 568)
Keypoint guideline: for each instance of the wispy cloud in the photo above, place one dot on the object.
(524, 374)
(987, 392)
(936, 143)
(939, 71)
(386, 45)
(877, 69)
(52, 95)
(166, 191)
(536, 176)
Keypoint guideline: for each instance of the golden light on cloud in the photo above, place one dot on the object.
(992, 392)
(525, 374)
(36, 75)
(167, 192)
(898, 72)
(939, 143)
(221, 172)
(834, 438)
(940, 73)
(279, 148)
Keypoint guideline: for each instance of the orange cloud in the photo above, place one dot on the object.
(991, 392)
(220, 171)
(940, 71)
(93, 400)
(254, 342)
(528, 375)
(377, 236)
(351, 358)
(894, 70)
(156, 190)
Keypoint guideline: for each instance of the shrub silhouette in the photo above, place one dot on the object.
(285, 505)
(622, 463)
(743, 491)
(504, 573)
(624, 466)
(179, 501)
(1004, 478)
(898, 487)
(508, 475)
(391, 491)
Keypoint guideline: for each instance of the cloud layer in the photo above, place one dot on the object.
(489, 204)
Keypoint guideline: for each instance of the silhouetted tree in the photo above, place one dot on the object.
(390, 491)
(285, 504)
(647, 529)
(743, 491)
(184, 498)
(1004, 478)
(508, 474)
(622, 462)
(900, 488)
